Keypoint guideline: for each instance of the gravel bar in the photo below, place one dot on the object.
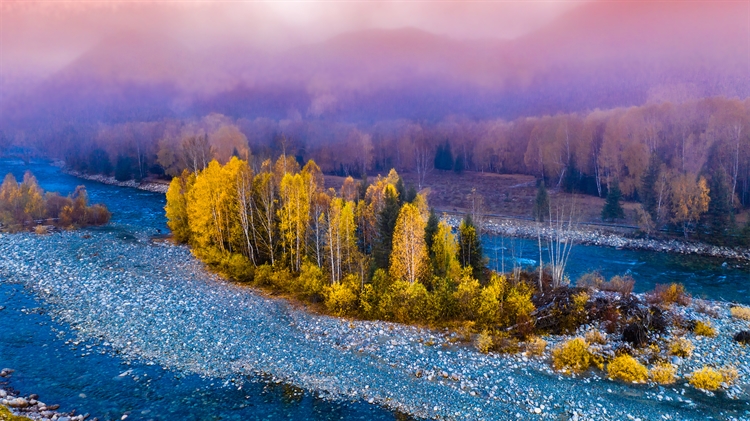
(154, 302)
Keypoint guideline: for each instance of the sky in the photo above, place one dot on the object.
(40, 37)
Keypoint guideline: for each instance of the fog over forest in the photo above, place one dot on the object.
(127, 83)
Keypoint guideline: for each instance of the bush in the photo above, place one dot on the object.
(681, 347)
(729, 375)
(40, 230)
(742, 337)
(262, 276)
(742, 313)
(506, 344)
(662, 373)
(635, 333)
(341, 298)
(626, 368)
(704, 329)
(310, 282)
(595, 337)
(467, 296)
(572, 355)
(535, 346)
(706, 378)
(669, 294)
(484, 342)
(620, 284)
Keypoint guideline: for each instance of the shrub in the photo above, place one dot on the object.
(595, 337)
(484, 342)
(627, 368)
(310, 282)
(591, 280)
(704, 329)
(742, 313)
(263, 275)
(706, 378)
(729, 375)
(535, 346)
(669, 294)
(681, 347)
(622, 285)
(662, 373)
(635, 333)
(572, 355)
(467, 296)
(506, 344)
(341, 298)
(40, 230)
(518, 304)
(368, 302)
(742, 337)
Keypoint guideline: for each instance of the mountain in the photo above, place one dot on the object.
(599, 55)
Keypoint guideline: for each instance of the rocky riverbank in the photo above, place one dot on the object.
(145, 185)
(608, 238)
(154, 302)
(30, 406)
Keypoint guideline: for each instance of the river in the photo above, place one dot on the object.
(90, 378)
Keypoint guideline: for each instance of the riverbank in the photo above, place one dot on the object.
(153, 302)
(606, 238)
(152, 186)
(29, 407)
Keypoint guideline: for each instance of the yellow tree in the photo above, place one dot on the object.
(264, 190)
(409, 255)
(32, 198)
(341, 241)
(689, 200)
(176, 208)
(294, 216)
(445, 250)
(208, 208)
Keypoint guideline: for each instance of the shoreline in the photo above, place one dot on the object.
(419, 371)
(511, 227)
(29, 406)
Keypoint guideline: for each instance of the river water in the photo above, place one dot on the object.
(94, 380)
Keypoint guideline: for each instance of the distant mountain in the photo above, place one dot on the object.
(602, 54)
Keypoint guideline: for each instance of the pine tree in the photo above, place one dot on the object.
(541, 202)
(647, 192)
(612, 208)
(718, 219)
(385, 226)
(470, 247)
(431, 228)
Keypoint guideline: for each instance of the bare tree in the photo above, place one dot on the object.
(197, 152)
(559, 241)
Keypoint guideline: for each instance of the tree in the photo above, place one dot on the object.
(648, 193)
(612, 208)
(444, 250)
(690, 199)
(386, 225)
(409, 256)
(541, 202)
(431, 228)
(176, 207)
(294, 217)
(99, 162)
(444, 157)
(470, 247)
(124, 168)
(718, 218)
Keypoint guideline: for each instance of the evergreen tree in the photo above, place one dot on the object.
(411, 194)
(386, 224)
(401, 189)
(470, 247)
(431, 228)
(647, 192)
(718, 219)
(124, 168)
(612, 208)
(99, 162)
(541, 202)
(458, 166)
(572, 176)
(444, 157)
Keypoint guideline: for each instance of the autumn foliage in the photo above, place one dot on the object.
(363, 251)
(26, 206)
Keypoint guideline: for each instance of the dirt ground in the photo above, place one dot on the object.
(503, 195)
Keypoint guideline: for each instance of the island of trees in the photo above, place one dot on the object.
(26, 206)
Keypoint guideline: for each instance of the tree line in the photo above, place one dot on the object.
(372, 250)
(639, 150)
(26, 206)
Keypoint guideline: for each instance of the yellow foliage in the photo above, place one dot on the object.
(409, 256)
(572, 355)
(681, 347)
(468, 295)
(445, 251)
(484, 342)
(742, 313)
(518, 304)
(341, 298)
(706, 378)
(176, 208)
(580, 300)
(662, 373)
(704, 329)
(625, 367)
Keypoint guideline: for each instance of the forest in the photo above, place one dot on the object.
(27, 206)
(373, 251)
(662, 155)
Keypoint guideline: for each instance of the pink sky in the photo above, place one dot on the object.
(41, 37)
